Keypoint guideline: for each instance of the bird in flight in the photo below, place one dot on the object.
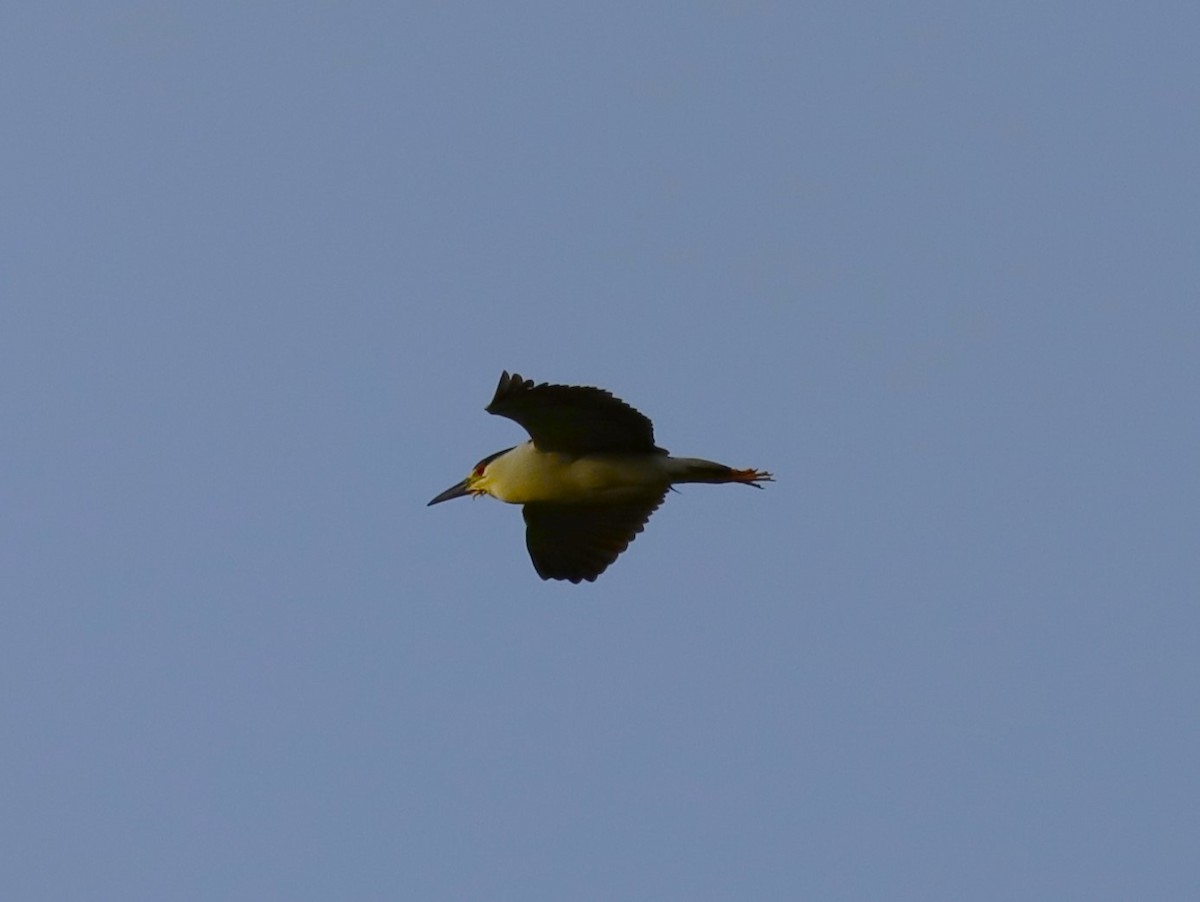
(589, 479)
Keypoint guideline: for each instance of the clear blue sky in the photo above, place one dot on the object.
(935, 265)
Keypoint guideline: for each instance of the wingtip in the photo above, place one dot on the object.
(509, 383)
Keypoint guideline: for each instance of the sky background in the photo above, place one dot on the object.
(935, 265)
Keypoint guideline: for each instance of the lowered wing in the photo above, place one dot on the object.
(579, 541)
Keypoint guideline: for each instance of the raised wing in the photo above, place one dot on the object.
(579, 541)
(573, 419)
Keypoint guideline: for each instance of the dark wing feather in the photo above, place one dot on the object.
(579, 541)
(573, 419)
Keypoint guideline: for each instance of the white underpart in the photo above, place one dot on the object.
(526, 474)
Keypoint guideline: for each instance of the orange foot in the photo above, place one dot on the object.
(751, 477)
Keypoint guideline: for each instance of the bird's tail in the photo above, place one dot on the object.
(693, 469)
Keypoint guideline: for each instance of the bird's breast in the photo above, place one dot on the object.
(526, 474)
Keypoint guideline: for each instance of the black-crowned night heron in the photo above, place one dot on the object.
(589, 480)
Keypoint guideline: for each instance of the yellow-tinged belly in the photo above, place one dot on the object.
(527, 474)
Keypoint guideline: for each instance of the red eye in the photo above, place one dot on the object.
(479, 470)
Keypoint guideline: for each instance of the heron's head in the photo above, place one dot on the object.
(477, 483)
